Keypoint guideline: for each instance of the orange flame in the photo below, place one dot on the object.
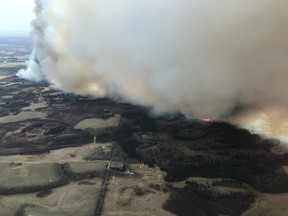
(207, 119)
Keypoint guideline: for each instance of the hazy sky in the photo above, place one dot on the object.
(15, 17)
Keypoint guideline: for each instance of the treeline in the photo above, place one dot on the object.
(199, 199)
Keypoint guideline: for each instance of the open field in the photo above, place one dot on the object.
(267, 204)
(18, 177)
(72, 199)
(135, 196)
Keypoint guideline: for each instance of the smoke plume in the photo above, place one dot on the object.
(197, 57)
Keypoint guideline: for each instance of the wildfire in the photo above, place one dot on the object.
(206, 119)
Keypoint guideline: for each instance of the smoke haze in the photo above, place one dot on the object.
(198, 57)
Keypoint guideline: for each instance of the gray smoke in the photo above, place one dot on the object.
(198, 57)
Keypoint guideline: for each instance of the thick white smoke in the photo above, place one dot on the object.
(199, 57)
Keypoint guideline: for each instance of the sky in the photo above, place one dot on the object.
(15, 17)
